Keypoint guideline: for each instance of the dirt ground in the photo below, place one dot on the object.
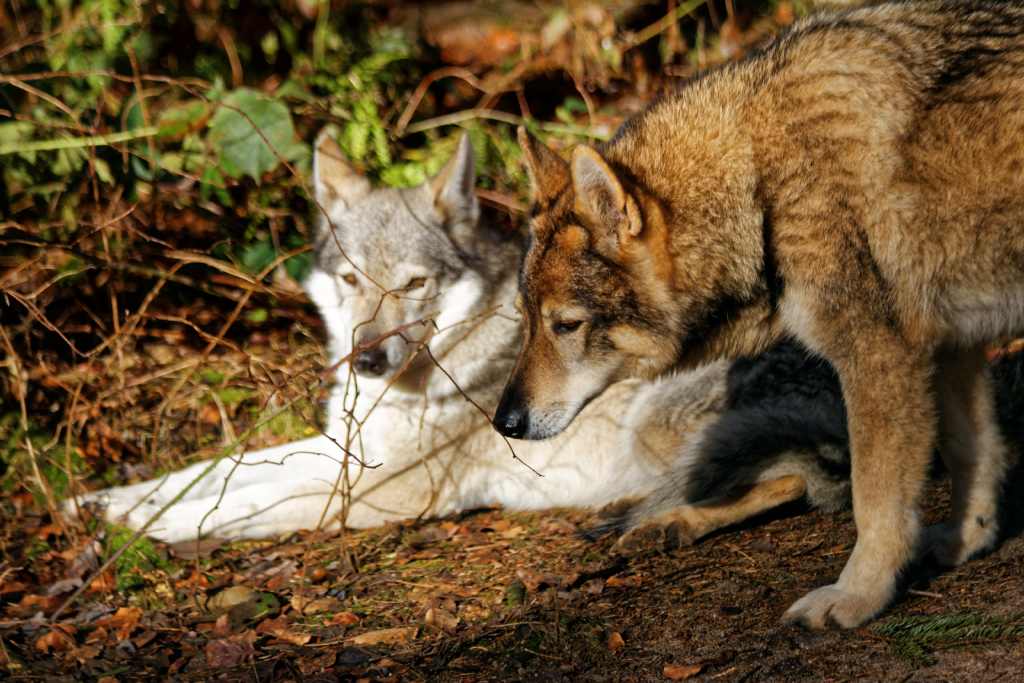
(495, 596)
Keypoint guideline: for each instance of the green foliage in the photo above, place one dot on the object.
(250, 131)
(914, 638)
(140, 557)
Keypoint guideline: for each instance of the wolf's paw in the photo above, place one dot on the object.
(950, 546)
(617, 509)
(95, 502)
(652, 537)
(833, 605)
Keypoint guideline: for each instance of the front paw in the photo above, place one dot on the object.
(95, 502)
(834, 605)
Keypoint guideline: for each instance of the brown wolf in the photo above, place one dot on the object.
(859, 186)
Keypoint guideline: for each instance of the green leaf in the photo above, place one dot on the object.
(182, 118)
(237, 140)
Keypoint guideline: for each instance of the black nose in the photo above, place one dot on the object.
(511, 419)
(513, 425)
(371, 362)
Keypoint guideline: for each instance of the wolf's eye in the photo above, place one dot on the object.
(564, 326)
(351, 279)
(416, 283)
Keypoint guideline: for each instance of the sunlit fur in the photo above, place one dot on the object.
(858, 185)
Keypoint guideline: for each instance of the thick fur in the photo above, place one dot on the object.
(387, 258)
(858, 186)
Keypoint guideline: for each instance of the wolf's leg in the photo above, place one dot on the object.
(297, 460)
(892, 427)
(971, 447)
(267, 509)
(685, 524)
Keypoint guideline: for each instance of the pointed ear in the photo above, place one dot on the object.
(549, 173)
(454, 187)
(335, 179)
(601, 198)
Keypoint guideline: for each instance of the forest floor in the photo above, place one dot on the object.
(489, 595)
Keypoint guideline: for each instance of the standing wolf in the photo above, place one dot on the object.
(385, 259)
(858, 185)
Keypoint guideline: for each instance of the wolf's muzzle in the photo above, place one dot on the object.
(371, 363)
(511, 418)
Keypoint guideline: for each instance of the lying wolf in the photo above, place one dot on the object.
(387, 258)
(857, 186)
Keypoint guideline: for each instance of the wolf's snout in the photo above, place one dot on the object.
(371, 362)
(511, 418)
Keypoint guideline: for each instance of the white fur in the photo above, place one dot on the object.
(428, 451)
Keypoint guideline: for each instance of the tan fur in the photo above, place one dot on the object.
(859, 186)
(685, 525)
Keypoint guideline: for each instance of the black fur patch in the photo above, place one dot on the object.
(780, 401)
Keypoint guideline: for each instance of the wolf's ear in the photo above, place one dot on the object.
(454, 188)
(602, 199)
(549, 173)
(335, 179)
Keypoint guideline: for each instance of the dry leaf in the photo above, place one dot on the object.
(221, 628)
(442, 619)
(81, 654)
(499, 525)
(557, 525)
(270, 625)
(289, 636)
(474, 539)
(61, 637)
(614, 642)
(231, 651)
(632, 581)
(387, 636)
(123, 622)
(317, 605)
(314, 664)
(343, 619)
(681, 673)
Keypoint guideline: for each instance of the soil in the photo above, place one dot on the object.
(450, 589)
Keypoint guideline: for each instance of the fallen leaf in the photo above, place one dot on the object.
(557, 525)
(631, 581)
(231, 651)
(221, 628)
(98, 635)
(314, 664)
(614, 642)
(343, 619)
(81, 654)
(387, 636)
(514, 532)
(485, 556)
(289, 636)
(269, 625)
(442, 619)
(61, 637)
(474, 539)
(315, 606)
(681, 673)
(123, 622)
